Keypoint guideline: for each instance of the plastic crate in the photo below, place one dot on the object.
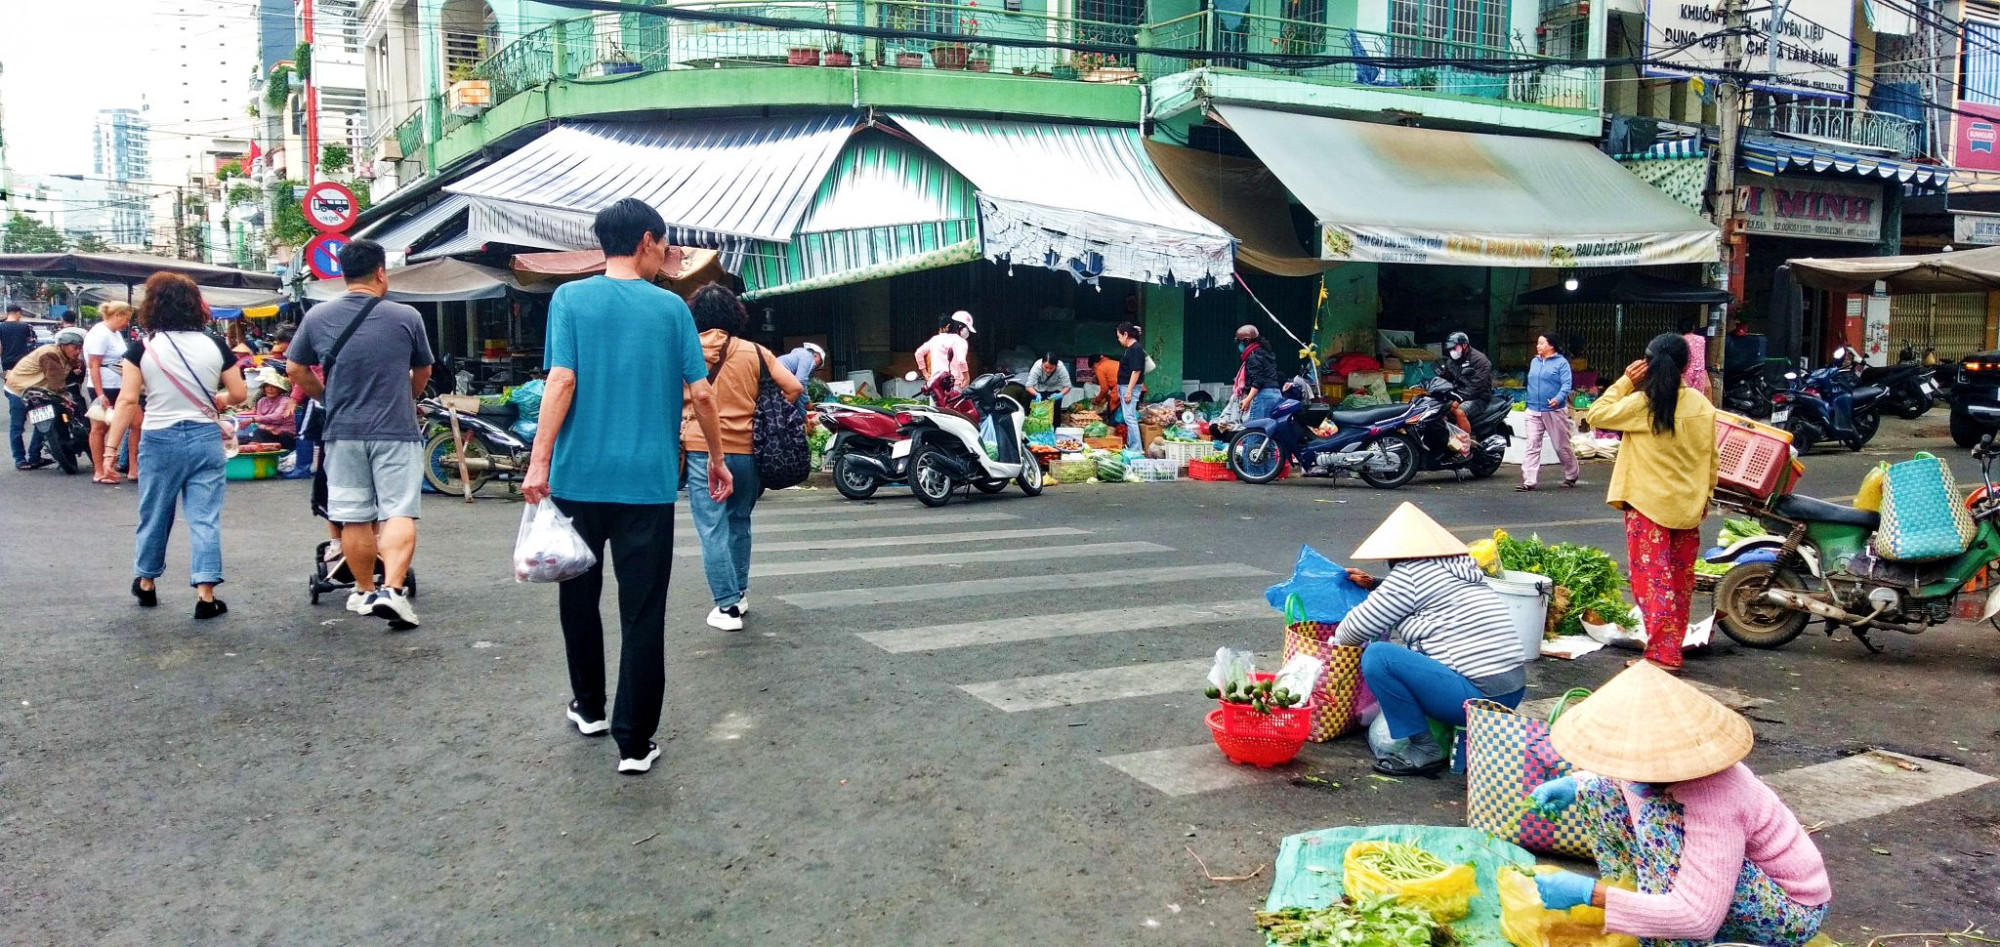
(1751, 458)
(1213, 470)
(1184, 452)
(1072, 471)
(1153, 469)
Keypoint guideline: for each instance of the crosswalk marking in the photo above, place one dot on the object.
(1083, 687)
(1187, 770)
(919, 519)
(941, 559)
(870, 542)
(1037, 627)
(855, 511)
(1041, 584)
(1867, 785)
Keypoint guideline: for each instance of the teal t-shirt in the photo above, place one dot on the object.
(632, 346)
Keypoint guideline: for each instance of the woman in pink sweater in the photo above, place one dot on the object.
(1691, 845)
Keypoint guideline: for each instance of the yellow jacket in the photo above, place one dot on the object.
(1667, 477)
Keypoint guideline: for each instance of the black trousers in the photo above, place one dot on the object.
(641, 538)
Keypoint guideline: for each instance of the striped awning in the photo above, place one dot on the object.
(720, 183)
(1770, 156)
(1080, 199)
(886, 208)
(1668, 150)
(399, 235)
(450, 244)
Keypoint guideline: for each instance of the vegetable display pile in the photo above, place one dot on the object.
(1371, 922)
(1096, 429)
(1591, 579)
(1261, 696)
(1218, 457)
(1733, 531)
(1403, 862)
(1110, 466)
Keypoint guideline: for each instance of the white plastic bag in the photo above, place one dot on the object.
(1300, 675)
(1231, 666)
(548, 548)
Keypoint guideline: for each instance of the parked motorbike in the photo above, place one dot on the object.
(1386, 446)
(64, 429)
(870, 447)
(1909, 387)
(1821, 562)
(1746, 391)
(1826, 404)
(491, 451)
(946, 450)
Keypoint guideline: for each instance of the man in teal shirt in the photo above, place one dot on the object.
(620, 350)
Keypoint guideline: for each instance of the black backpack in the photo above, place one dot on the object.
(777, 429)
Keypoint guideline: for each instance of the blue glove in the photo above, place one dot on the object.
(1563, 890)
(1552, 797)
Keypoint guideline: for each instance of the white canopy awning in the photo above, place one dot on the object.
(1394, 194)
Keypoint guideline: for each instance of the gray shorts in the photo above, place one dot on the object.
(372, 481)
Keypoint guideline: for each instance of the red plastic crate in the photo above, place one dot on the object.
(1209, 470)
(1751, 458)
(1253, 750)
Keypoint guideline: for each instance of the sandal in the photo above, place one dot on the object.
(1570, 482)
(112, 479)
(1524, 488)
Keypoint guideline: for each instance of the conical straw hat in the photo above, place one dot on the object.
(1647, 726)
(1409, 534)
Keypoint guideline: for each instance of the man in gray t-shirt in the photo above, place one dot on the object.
(374, 446)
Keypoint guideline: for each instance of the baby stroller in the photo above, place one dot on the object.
(330, 577)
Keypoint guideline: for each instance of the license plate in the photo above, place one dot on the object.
(46, 412)
(1930, 388)
(900, 449)
(1780, 415)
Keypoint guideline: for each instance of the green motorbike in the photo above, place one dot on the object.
(1820, 562)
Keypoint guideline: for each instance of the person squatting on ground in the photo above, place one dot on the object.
(1549, 386)
(736, 369)
(1663, 478)
(168, 388)
(620, 348)
(1458, 642)
(375, 358)
(1691, 847)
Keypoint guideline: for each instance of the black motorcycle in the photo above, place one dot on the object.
(1909, 387)
(1746, 390)
(1828, 404)
(1442, 444)
(64, 430)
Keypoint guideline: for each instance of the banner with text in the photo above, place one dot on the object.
(1977, 130)
(1398, 245)
(1812, 208)
(1814, 54)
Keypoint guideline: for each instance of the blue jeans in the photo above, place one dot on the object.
(183, 463)
(1415, 689)
(1128, 403)
(1261, 406)
(724, 527)
(17, 424)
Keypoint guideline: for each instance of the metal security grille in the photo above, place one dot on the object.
(1458, 23)
(1954, 324)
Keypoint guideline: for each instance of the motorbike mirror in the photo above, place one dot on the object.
(909, 376)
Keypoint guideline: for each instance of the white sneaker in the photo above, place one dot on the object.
(357, 601)
(393, 605)
(643, 764)
(743, 604)
(585, 725)
(726, 619)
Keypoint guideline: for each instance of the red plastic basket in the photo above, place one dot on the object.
(1252, 750)
(1209, 470)
(1751, 458)
(1283, 723)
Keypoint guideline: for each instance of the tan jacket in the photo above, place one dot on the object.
(735, 393)
(1667, 477)
(45, 367)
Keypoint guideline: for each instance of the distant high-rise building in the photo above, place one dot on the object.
(120, 150)
(197, 112)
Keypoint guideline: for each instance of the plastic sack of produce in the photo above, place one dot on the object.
(547, 548)
(1922, 515)
(1870, 496)
(528, 398)
(1527, 924)
(1325, 592)
(1041, 418)
(1413, 875)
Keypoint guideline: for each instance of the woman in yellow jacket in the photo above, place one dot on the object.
(1663, 479)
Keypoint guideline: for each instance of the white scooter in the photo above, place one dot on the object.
(945, 450)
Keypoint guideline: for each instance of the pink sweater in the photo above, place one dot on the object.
(1730, 816)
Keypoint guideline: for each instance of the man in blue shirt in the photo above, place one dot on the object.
(620, 351)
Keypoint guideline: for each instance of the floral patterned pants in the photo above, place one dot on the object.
(1663, 582)
(1643, 850)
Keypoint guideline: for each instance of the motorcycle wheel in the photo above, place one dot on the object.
(1404, 449)
(1914, 407)
(63, 447)
(1965, 432)
(854, 481)
(1030, 480)
(1253, 457)
(441, 468)
(1746, 618)
(1866, 423)
(1483, 464)
(1802, 439)
(929, 478)
(989, 487)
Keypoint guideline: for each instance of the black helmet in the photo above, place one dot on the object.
(1457, 339)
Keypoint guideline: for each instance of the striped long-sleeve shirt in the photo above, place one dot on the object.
(1441, 607)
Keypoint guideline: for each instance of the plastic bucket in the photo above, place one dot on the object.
(1527, 598)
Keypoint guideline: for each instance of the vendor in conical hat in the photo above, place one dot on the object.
(1713, 853)
(1455, 639)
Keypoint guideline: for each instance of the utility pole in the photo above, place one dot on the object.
(1729, 99)
(180, 224)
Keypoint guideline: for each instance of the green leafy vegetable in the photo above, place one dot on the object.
(1590, 577)
(1371, 922)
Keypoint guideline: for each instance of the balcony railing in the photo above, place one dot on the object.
(1840, 123)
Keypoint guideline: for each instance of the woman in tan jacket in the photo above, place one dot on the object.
(1663, 479)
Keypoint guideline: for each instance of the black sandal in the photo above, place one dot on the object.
(147, 597)
(1569, 483)
(204, 611)
(1524, 488)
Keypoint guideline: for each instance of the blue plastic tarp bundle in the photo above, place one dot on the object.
(1322, 586)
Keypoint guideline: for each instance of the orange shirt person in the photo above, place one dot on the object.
(1105, 368)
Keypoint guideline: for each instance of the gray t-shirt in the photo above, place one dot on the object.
(369, 393)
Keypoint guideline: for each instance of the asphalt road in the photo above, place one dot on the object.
(292, 774)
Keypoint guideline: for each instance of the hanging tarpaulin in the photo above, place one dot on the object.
(965, 251)
(1683, 179)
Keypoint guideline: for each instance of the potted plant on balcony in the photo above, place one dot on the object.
(802, 56)
(955, 55)
(617, 63)
(469, 94)
(981, 59)
(836, 54)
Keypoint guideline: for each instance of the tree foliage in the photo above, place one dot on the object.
(92, 243)
(25, 234)
(335, 160)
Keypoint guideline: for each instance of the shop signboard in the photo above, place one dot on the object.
(1976, 128)
(1362, 244)
(1982, 230)
(1813, 51)
(1811, 208)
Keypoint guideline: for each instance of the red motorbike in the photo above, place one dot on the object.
(870, 448)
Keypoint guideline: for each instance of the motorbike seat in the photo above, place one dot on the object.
(1798, 507)
(1869, 392)
(1363, 417)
